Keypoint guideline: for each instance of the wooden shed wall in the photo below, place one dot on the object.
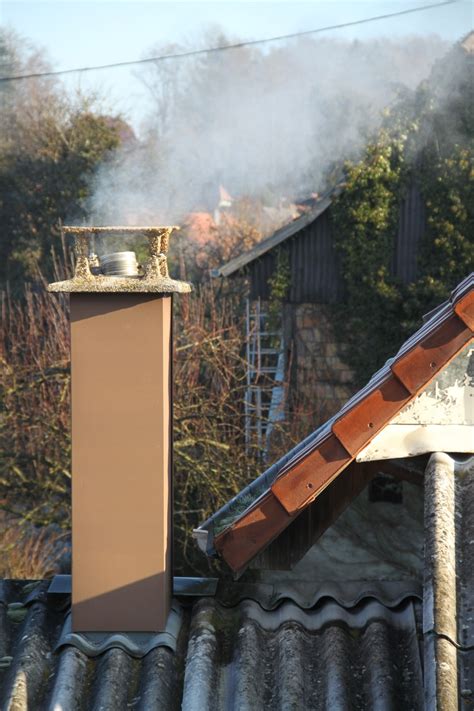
(314, 264)
(411, 228)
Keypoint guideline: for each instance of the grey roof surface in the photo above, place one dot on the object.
(242, 656)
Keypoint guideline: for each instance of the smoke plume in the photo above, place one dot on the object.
(269, 123)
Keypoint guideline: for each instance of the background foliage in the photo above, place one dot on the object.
(428, 139)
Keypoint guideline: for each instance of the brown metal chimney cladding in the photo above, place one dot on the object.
(121, 439)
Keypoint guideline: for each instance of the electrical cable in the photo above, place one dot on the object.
(210, 50)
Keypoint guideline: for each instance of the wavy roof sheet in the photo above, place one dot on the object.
(242, 656)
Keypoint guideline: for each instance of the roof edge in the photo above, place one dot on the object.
(279, 236)
(311, 466)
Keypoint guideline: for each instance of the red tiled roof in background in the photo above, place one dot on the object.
(201, 227)
(337, 444)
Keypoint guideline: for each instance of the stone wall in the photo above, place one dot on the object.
(319, 377)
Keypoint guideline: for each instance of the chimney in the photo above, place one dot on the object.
(121, 383)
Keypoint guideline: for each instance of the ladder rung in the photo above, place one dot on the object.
(264, 370)
(268, 351)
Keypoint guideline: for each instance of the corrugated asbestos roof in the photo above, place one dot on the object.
(227, 657)
(244, 526)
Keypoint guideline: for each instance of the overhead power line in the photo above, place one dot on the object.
(223, 48)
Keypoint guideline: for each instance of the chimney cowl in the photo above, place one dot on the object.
(155, 278)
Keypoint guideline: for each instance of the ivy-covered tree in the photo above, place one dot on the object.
(427, 138)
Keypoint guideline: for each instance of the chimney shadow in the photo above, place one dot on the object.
(141, 606)
(91, 305)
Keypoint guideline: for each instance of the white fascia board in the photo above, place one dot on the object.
(397, 441)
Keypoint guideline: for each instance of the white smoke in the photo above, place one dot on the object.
(265, 123)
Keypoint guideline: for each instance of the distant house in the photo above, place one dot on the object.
(347, 603)
(308, 343)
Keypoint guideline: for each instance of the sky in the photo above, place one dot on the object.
(78, 34)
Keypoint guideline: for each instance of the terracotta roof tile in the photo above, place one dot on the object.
(306, 471)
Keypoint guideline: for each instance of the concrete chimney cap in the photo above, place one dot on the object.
(154, 279)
